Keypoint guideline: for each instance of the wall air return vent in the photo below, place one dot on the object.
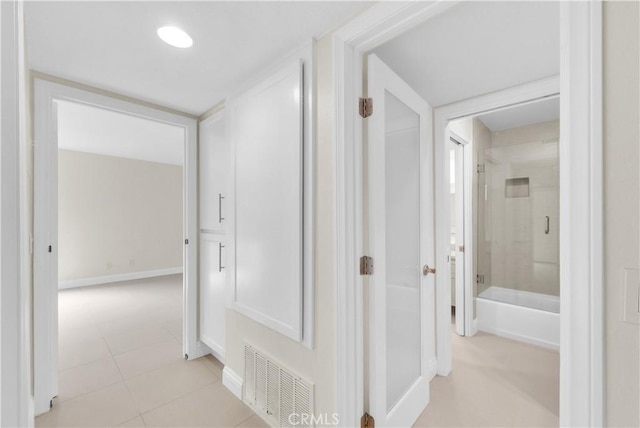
(278, 395)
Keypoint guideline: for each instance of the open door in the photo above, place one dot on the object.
(400, 235)
(457, 241)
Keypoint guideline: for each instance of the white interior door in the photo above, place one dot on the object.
(401, 241)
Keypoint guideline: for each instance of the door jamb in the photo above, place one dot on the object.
(45, 172)
(581, 357)
(470, 326)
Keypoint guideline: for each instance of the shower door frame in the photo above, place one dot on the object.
(581, 210)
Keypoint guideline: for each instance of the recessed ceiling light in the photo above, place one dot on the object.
(175, 37)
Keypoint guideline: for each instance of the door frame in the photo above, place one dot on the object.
(45, 295)
(581, 210)
(16, 403)
(500, 100)
(469, 326)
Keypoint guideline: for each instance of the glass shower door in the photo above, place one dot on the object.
(517, 217)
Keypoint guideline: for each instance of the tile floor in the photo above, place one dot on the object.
(120, 363)
(495, 382)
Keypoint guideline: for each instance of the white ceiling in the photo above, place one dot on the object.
(477, 48)
(94, 130)
(522, 115)
(114, 46)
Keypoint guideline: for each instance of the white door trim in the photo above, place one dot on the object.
(16, 403)
(581, 164)
(45, 231)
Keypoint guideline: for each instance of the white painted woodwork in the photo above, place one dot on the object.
(267, 144)
(400, 235)
(214, 171)
(213, 158)
(16, 403)
(213, 293)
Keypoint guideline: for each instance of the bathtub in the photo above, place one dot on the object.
(520, 315)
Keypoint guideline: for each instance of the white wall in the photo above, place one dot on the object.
(117, 216)
(317, 365)
(622, 206)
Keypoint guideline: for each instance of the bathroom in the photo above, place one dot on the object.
(511, 181)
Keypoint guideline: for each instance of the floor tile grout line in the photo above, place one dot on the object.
(181, 396)
(245, 420)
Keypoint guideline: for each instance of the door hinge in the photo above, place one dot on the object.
(50, 249)
(186, 242)
(367, 421)
(461, 249)
(366, 265)
(366, 107)
(479, 279)
(480, 168)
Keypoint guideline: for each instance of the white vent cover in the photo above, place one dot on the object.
(275, 392)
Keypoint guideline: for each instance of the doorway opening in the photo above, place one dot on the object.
(120, 263)
(459, 226)
(99, 204)
(353, 43)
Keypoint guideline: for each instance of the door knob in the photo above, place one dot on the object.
(426, 270)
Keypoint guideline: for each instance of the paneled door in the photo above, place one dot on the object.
(400, 237)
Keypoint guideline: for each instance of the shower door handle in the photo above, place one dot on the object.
(546, 225)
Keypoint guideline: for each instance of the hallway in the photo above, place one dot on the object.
(120, 362)
(495, 382)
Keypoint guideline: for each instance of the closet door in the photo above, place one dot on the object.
(213, 169)
(214, 161)
(212, 293)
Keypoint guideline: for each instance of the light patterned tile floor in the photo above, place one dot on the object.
(495, 382)
(120, 363)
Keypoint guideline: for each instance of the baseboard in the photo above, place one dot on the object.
(522, 338)
(232, 382)
(96, 280)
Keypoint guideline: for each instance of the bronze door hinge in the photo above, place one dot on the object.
(367, 421)
(366, 107)
(366, 265)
